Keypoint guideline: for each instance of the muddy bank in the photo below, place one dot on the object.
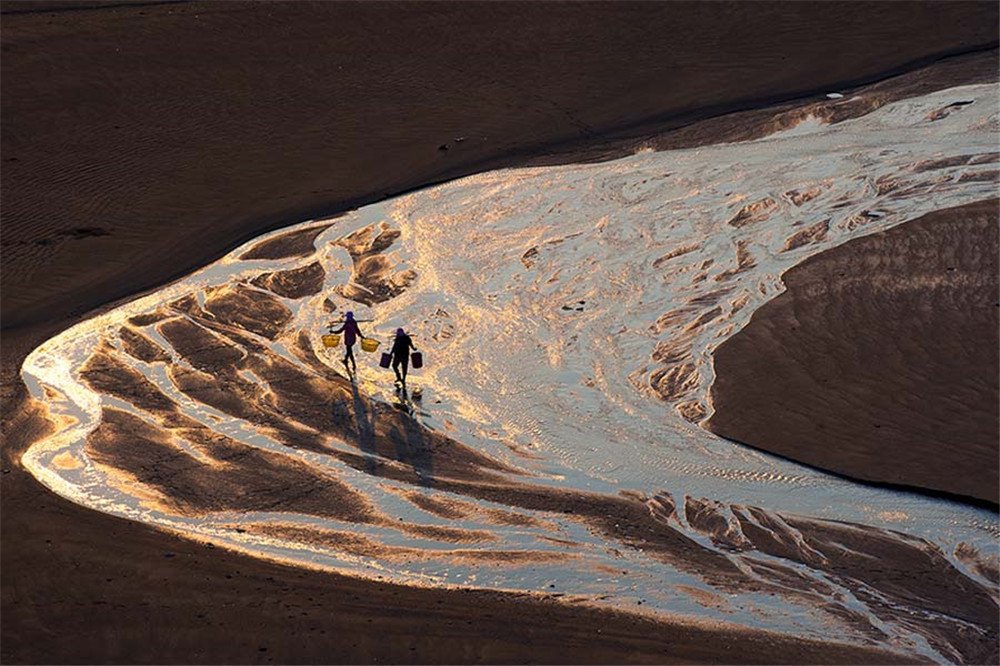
(166, 134)
(880, 362)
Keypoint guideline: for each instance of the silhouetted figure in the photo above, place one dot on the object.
(351, 334)
(401, 347)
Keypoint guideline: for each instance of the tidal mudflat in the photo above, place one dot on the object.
(569, 315)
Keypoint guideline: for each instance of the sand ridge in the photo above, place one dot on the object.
(880, 361)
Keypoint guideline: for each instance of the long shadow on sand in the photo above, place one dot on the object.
(364, 421)
(412, 446)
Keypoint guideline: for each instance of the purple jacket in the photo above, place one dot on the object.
(351, 332)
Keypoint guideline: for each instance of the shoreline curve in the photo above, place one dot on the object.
(800, 371)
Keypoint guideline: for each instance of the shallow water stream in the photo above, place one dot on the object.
(568, 315)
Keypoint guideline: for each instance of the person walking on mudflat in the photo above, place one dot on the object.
(351, 334)
(401, 347)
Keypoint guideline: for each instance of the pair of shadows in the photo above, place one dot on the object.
(410, 443)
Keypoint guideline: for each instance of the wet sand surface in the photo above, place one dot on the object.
(84, 587)
(880, 362)
(188, 469)
(80, 586)
(212, 408)
(154, 154)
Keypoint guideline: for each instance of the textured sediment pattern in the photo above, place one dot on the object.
(568, 316)
(881, 359)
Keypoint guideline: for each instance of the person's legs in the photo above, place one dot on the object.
(350, 357)
(395, 368)
(406, 362)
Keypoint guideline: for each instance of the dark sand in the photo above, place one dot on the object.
(140, 142)
(880, 362)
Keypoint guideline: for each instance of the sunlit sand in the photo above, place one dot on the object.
(569, 316)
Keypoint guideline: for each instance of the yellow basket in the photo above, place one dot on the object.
(369, 345)
(331, 340)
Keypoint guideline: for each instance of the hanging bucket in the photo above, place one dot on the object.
(418, 360)
(385, 360)
(369, 345)
(331, 340)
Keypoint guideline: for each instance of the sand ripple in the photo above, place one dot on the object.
(568, 315)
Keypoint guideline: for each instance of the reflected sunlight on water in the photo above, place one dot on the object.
(568, 315)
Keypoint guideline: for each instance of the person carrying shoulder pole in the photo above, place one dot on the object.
(351, 334)
(401, 347)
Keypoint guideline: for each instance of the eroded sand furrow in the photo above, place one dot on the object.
(569, 316)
